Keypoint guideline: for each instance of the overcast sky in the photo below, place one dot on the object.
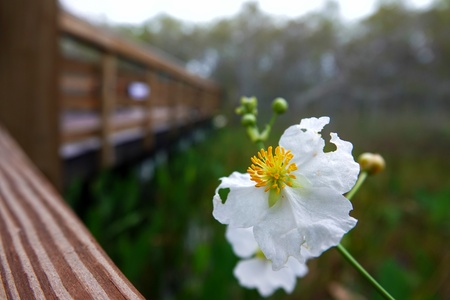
(137, 11)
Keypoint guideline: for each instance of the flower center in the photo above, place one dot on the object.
(272, 171)
(259, 254)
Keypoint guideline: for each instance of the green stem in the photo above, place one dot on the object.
(272, 120)
(260, 145)
(363, 272)
(362, 176)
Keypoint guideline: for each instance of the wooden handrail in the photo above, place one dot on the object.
(101, 86)
(108, 42)
(45, 251)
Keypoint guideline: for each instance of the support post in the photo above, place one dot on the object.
(29, 56)
(109, 79)
(149, 134)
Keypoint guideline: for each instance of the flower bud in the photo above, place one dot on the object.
(279, 105)
(371, 163)
(249, 105)
(248, 120)
(239, 110)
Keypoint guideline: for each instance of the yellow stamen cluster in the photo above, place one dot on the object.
(272, 171)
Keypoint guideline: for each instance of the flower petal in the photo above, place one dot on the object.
(314, 124)
(314, 220)
(242, 241)
(258, 273)
(299, 269)
(322, 217)
(335, 169)
(245, 205)
(304, 139)
(278, 236)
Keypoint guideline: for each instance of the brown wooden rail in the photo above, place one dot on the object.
(64, 89)
(96, 103)
(45, 251)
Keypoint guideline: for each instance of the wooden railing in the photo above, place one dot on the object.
(96, 92)
(45, 251)
(65, 89)
(51, 101)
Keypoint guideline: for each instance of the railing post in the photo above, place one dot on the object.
(108, 99)
(180, 103)
(172, 96)
(152, 81)
(29, 68)
(203, 103)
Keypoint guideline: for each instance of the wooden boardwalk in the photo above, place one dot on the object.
(100, 111)
(88, 91)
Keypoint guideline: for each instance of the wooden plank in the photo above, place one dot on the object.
(81, 102)
(70, 137)
(45, 251)
(71, 65)
(129, 123)
(129, 102)
(79, 84)
(29, 103)
(108, 99)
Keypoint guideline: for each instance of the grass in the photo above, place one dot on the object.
(155, 220)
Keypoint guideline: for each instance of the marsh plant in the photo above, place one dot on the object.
(293, 203)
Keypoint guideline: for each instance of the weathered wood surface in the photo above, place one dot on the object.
(45, 251)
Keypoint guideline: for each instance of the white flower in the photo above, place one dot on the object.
(256, 272)
(297, 207)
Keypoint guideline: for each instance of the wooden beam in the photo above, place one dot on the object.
(45, 251)
(29, 55)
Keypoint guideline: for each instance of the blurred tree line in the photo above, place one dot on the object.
(395, 59)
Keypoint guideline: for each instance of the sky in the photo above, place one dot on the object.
(137, 11)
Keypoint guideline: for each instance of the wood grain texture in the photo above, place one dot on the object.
(45, 251)
(29, 72)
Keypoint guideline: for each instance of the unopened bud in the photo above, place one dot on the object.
(248, 120)
(249, 105)
(371, 163)
(279, 105)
